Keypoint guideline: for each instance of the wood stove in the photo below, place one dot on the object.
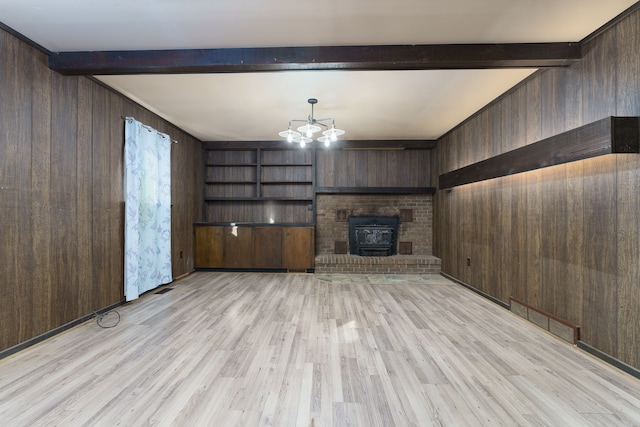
(373, 235)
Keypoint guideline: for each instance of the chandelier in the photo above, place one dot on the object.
(304, 135)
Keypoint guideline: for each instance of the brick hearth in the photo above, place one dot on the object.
(332, 231)
(396, 264)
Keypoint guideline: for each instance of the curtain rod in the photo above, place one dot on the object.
(149, 128)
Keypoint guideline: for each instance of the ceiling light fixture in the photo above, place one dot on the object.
(304, 134)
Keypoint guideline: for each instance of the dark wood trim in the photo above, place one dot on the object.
(25, 39)
(53, 332)
(477, 291)
(409, 144)
(609, 359)
(611, 23)
(611, 135)
(377, 57)
(375, 190)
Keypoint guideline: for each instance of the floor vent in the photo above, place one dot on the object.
(558, 327)
(164, 291)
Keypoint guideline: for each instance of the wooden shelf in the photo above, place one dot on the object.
(222, 165)
(611, 135)
(375, 190)
(285, 164)
(286, 182)
(259, 199)
(258, 185)
(231, 182)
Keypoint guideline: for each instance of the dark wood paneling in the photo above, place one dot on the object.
(41, 233)
(84, 198)
(100, 233)
(22, 101)
(374, 168)
(61, 194)
(600, 254)
(552, 116)
(628, 258)
(599, 78)
(628, 185)
(64, 124)
(566, 236)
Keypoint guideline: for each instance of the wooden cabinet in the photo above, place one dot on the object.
(237, 247)
(298, 248)
(260, 247)
(209, 244)
(267, 247)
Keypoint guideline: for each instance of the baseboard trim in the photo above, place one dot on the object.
(182, 276)
(244, 270)
(580, 344)
(609, 359)
(35, 340)
(477, 291)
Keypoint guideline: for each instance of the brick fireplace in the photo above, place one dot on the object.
(413, 254)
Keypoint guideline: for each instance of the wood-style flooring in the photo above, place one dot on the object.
(248, 349)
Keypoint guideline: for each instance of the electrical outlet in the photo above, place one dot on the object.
(468, 262)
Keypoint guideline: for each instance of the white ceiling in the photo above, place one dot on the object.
(256, 106)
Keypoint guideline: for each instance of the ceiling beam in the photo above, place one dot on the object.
(379, 57)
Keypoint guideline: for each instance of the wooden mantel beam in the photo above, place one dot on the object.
(379, 57)
(611, 135)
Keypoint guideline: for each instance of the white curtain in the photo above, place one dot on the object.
(147, 237)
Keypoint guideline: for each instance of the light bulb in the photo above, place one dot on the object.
(309, 133)
(334, 137)
(290, 138)
(327, 142)
(302, 143)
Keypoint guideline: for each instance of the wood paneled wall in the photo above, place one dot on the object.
(61, 194)
(373, 168)
(565, 239)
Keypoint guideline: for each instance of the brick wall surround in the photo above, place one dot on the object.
(419, 232)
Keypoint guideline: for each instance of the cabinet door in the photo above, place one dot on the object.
(298, 248)
(238, 247)
(267, 247)
(209, 253)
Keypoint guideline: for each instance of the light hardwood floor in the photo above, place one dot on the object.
(225, 349)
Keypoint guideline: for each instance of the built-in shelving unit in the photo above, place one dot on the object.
(259, 185)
